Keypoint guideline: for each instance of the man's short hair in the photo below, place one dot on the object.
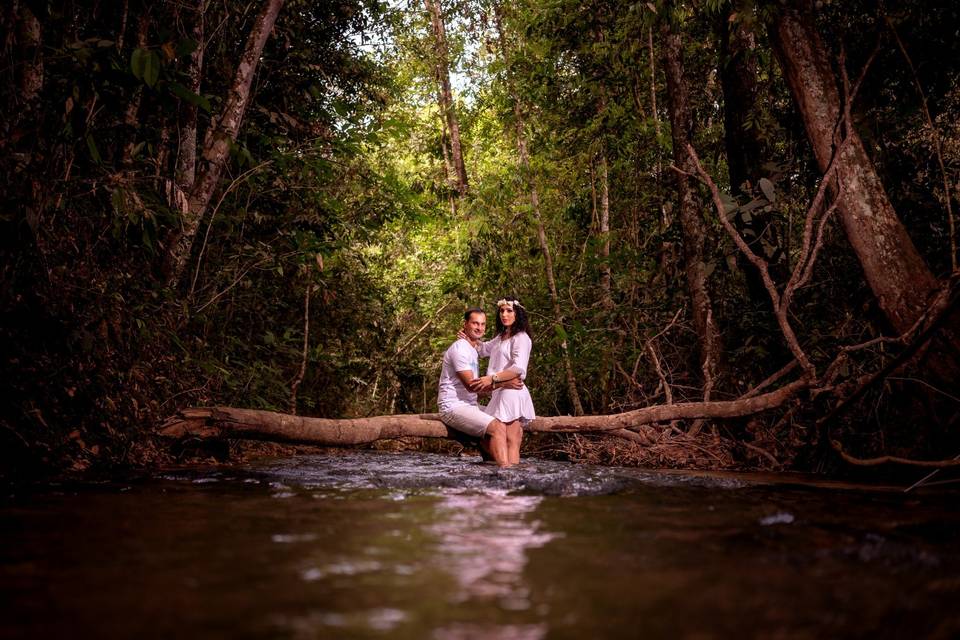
(472, 310)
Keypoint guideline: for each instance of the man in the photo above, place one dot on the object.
(457, 397)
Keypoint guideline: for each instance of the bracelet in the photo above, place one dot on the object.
(494, 378)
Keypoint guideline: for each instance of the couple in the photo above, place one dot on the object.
(499, 425)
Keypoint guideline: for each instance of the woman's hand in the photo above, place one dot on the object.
(512, 383)
(461, 335)
(483, 383)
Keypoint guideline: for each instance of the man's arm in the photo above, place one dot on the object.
(478, 385)
(466, 377)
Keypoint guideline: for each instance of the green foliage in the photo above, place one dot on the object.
(145, 65)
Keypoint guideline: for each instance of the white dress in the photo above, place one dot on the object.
(507, 405)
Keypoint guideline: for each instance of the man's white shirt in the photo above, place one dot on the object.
(460, 356)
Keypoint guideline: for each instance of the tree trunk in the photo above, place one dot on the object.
(130, 115)
(541, 231)
(738, 79)
(653, 82)
(692, 227)
(216, 145)
(255, 424)
(449, 171)
(894, 269)
(187, 156)
(605, 231)
(446, 95)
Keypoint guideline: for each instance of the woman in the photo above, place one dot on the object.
(509, 353)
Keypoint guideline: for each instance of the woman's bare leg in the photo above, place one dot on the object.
(514, 439)
(495, 440)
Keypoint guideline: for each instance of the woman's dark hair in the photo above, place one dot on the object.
(521, 323)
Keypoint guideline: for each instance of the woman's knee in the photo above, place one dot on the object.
(496, 429)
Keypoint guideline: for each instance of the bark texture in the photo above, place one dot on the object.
(894, 269)
(216, 145)
(446, 94)
(130, 115)
(605, 275)
(187, 157)
(692, 226)
(738, 81)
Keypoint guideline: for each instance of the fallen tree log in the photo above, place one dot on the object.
(255, 424)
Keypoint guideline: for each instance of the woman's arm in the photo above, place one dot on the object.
(519, 357)
(485, 348)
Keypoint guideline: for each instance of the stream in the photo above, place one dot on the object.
(382, 545)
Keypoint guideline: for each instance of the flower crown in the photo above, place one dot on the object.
(509, 303)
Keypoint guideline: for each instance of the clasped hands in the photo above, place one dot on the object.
(484, 384)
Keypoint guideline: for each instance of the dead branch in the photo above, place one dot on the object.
(668, 393)
(229, 422)
(923, 330)
(422, 328)
(780, 304)
(763, 452)
(771, 379)
(872, 462)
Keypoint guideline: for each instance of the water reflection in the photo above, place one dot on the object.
(491, 632)
(483, 539)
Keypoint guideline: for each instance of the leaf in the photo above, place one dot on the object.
(147, 240)
(137, 62)
(151, 68)
(116, 198)
(92, 147)
(185, 94)
(767, 187)
(561, 332)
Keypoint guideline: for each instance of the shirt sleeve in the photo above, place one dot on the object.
(520, 348)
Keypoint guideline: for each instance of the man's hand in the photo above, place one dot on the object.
(512, 383)
(484, 384)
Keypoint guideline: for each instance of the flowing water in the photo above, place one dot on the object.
(376, 545)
